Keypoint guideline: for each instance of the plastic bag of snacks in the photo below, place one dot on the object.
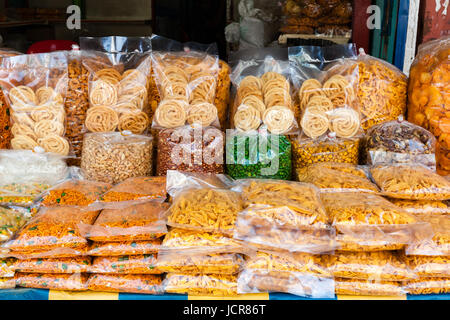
(134, 264)
(223, 263)
(118, 83)
(368, 287)
(336, 177)
(124, 248)
(178, 181)
(380, 265)
(11, 220)
(325, 149)
(283, 215)
(399, 142)
(428, 286)
(380, 90)
(135, 190)
(191, 149)
(53, 230)
(7, 267)
(25, 175)
(262, 96)
(368, 222)
(60, 265)
(182, 241)
(428, 95)
(133, 283)
(77, 102)
(429, 266)
(412, 182)
(223, 93)
(7, 283)
(74, 193)
(201, 284)
(35, 86)
(205, 209)
(434, 242)
(186, 76)
(144, 221)
(422, 206)
(63, 281)
(114, 157)
(258, 155)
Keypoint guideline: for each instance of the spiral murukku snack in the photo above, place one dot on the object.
(314, 122)
(344, 122)
(279, 119)
(137, 122)
(101, 119)
(247, 118)
(203, 113)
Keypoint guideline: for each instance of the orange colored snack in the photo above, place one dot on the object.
(75, 193)
(53, 228)
(143, 221)
(137, 188)
(60, 265)
(72, 282)
(428, 286)
(132, 283)
(134, 264)
(121, 248)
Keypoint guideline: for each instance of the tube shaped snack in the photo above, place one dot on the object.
(201, 284)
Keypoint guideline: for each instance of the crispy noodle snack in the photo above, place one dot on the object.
(429, 266)
(432, 241)
(201, 284)
(134, 264)
(368, 287)
(422, 206)
(65, 281)
(413, 182)
(120, 248)
(205, 209)
(133, 283)
(59, 265)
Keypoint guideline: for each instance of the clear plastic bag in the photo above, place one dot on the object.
(223, 263)
(355, 287)
(25, 175)
(258, 155)
(428, 95)
(64, 281)
(134, 264)
(5, 123)
(7, 267)
(184, 241)
(331, 178)
(201, 284)
(262, 96)
(7, 283)
(132, 283)
(186, 76)
(422, 206)
(53, 229)
(222, 98)
(428, 286)
(429, 266)
(205, 209)
(77, 102)
(380, 265)
(325, 149)
(59, 265)
(135, 190)
(114, 157)
(74, 193)
(121, 248)
(399, 142)
(411, 182)
(35, 86)
(11, 220)
(368, 222)
(118, 83)
(381, 88)
(143, 221)
(190, 149)
(178, 181)
(433, 240)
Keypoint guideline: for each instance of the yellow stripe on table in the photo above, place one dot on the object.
(347, 297)
(250, 296)
(83, 295)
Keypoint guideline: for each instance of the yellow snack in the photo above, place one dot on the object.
(225, 263)
(429, 266)
(367, 287)
(411, 182)
(428, 286)
(434, 240)
(422, 206)
(201, 284)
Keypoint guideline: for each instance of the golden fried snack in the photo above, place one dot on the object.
(422, 206)
(247, 118)
(201, 284)
(428, 286)
(134, 264)
(133, 283)
(224, 263)
(429, 266)
(314, 122)
(380, 265)
(333, 180)
(368, 287)
(413, 182)
(206, 209)
(434, 240)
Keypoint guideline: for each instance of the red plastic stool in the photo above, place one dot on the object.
(50, 45)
